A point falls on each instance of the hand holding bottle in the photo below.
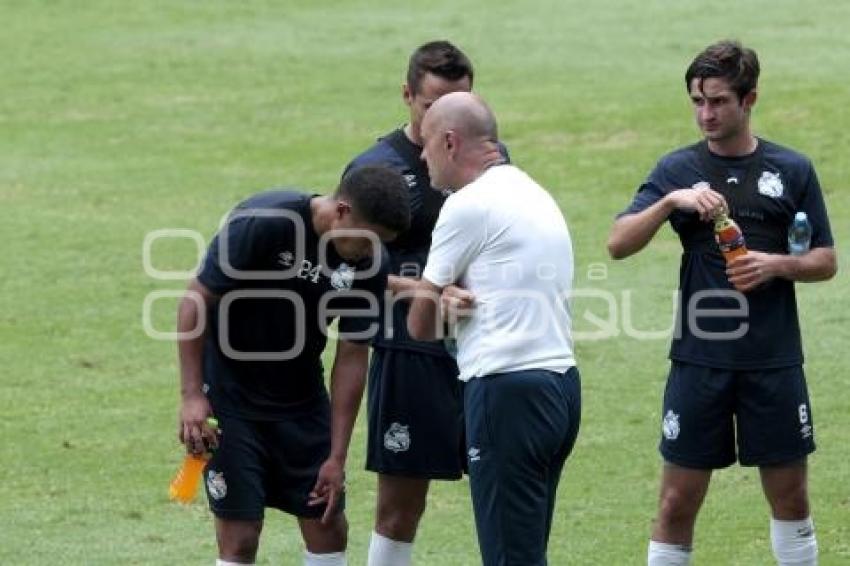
(194, 430)
(700, 198)
(184, 486)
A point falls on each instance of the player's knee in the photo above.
(678, 506)
(239, 545)
(399, 521)
(337, 529)
(791, 504)
(321, 538)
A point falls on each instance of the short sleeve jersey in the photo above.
(504, 238)
(764, 190)
(409, 251)
(279, 292)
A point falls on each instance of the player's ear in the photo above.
(451, 142)
(750, 100)
(342, 209)
(407, 93)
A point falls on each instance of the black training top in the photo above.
(279, 292)
(763, 190)
(409, 251)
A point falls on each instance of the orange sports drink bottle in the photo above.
(729, 237)
(184, 486)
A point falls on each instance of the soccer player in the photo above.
(415, 419)
(736, 378)
(501, 238)
(255, 321)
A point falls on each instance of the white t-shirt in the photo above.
(503, 238)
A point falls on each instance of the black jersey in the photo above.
(763, 190)
(409, 251)
(279, 292)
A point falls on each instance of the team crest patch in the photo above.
(410, 180)
(343, 277)
(770, 185)
(397, 438)
(216, 485)
(670, 426)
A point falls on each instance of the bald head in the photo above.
(460, 140)
(465, 113)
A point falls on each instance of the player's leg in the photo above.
(414, 435)
(776, 433)
(326, 543)
(680, 498)
(299, 445)
(792, 531)
(234, 483)
(401, 503)
(786, 489)
(237, 540)
(697, 436)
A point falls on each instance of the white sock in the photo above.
(794, 542)
(664, 554)
(327, 559)
(385, 551)
(220, 562)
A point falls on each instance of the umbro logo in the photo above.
(474, 454)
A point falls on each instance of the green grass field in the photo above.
(118, 119)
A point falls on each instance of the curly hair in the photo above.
(377, 195)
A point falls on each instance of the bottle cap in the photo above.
(801, 216)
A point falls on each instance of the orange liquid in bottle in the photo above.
(184, 486)
(729, 237)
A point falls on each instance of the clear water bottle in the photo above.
(799, 234)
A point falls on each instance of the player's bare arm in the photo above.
(193, 430)
(424, 320)
(456, 303)
(632, 232)
(348, 379)
(754, 268)
(404, 286)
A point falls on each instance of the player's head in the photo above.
(459, 134)
(435, 68)
(722, 84)
(369, 201)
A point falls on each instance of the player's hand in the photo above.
(193, 430)
(330, 485)
(750, 270)
(702, 199)
(456, 303)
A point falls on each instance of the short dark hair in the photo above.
(377, 195)
(439, 58)
(728, 60)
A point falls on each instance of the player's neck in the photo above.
(412, 135)
(742, 144)
(322, 210)
(471, 173)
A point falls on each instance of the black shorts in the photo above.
(261, 464)
(520, 428)
(706, 409)
(415, 415)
